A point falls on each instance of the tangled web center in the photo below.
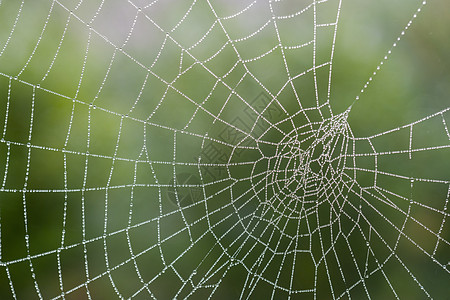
(307, 165)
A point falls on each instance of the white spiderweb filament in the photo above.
(195, 153)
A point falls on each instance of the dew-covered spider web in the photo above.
(161, 149)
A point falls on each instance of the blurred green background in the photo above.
(133, 162)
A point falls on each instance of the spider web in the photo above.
(175, 149)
